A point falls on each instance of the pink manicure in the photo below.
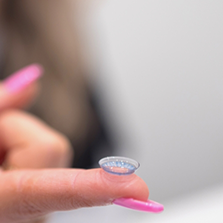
(22, 78)
(148, 206)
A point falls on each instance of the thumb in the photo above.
(26, 195)
(19, 89)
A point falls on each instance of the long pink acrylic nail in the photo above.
(22, 78)
(148, 206)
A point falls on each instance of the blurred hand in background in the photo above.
(26, 143)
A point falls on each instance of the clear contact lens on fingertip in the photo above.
(119, 165)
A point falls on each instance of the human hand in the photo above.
(28, 194)
(37, 145)
(27, 143)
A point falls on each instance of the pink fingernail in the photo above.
(22, 78)
(148, 206)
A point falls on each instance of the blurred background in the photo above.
(161, 84)
(155, 74)
(159, 80)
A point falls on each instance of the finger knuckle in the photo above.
(58, 149)
(22, 205)
(57, 145)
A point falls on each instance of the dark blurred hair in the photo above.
(43, 31)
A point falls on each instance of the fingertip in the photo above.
(113, 186)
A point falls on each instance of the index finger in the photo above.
(31, 194)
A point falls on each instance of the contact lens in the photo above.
(119, 165)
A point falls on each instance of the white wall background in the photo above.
(161, 81)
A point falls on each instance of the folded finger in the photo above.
(30, 143)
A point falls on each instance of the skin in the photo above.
(30, 152)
